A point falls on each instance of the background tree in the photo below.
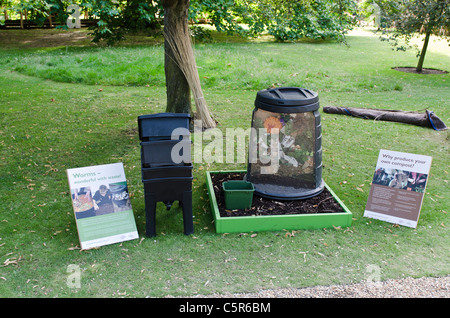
(4, 6)
(178, 92)
(180, 67)
(286, 20)
(413, 17)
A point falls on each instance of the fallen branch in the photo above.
(427, 119)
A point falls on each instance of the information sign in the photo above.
(102, 206)
(398, 187)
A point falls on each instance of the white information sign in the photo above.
(398, 187)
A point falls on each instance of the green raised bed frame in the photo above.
(275, 222)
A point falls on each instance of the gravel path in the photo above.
(425, 287)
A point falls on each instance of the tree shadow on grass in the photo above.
(424, 71)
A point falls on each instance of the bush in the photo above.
(286, 20)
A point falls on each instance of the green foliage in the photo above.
(287, 20)
(58, 9)
(117, 18)
(224, 15)
(386, 7)
(201, 34)
(304, 19)
(406, 19)
(140, 14)
(109, 25)
(38, 11)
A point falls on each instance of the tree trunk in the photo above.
(178, 91)
(424, 51)
(50, 22)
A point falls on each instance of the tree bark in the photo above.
(178, 91)
(424, 51)
(50, 22)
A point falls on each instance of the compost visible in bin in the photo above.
(295, 172)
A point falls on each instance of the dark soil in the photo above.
(322, 203)
(424, 70)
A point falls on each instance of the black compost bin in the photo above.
(166, 165)
(285, 151)
(165, 153)
(178, 171)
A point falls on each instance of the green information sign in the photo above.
(101, 204)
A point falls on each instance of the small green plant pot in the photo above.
(238, 194)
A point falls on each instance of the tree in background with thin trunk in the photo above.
(415, 17)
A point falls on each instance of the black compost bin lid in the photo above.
(164, 115)
(287, 100)
(161, 125)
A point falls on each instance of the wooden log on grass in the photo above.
(426, 119)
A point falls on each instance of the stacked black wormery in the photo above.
(166, 165)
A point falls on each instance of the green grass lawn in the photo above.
(71, 104)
